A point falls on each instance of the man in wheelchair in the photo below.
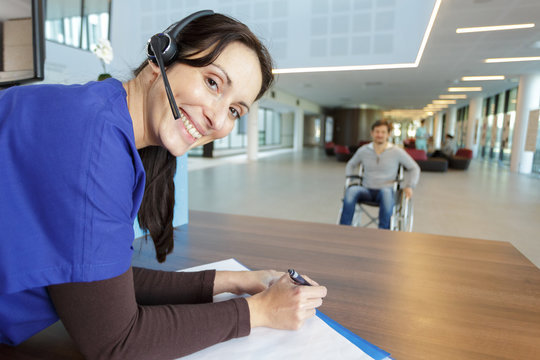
(380, 161)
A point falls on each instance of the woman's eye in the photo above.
(235, 113)
(212, 83)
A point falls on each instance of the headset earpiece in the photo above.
(168, 47)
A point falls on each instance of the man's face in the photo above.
(380, 134)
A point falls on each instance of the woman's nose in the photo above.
(216, 115)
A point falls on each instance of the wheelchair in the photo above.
(402, 213)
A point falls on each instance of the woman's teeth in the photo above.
(189, 126)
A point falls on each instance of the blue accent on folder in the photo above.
(367, 347)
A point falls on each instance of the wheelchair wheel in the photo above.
(408, 214)
(403, 213)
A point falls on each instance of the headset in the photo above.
(162, 49)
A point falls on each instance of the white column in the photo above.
(437, 130)
(298, 143)
(528, 98)
(473, 122)
(429, 125)
(451, 119)
(253, 132)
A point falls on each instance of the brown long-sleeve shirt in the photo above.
(148, 314)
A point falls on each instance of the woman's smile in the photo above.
(189, 126)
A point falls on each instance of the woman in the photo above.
(421, 137)
(76, 161)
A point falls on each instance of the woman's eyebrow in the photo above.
(229, 83)
(244, 105)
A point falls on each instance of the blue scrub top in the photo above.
(71, 185)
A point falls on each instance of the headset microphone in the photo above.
(162, 49)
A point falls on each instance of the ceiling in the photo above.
(447, 57)
(308, 33)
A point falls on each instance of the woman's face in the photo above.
(210, 99)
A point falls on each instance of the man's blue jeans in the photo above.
(384, 197)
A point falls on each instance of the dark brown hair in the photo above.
(213, 32)
(382, 123)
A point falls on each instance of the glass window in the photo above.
(487, 121)
(461, 126)
(536, 158)
(78, 23)
(512, 99)
(269, 127)
(508, 126)
(496, 129)
(276, 132)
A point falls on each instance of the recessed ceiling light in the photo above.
(453, 96)
(436, 106)
(444, 102)
(482, 78)
(464, 89)
(493, 28)
(512, 59)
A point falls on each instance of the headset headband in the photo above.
(167, 39)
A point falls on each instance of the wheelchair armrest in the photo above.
(352, 180)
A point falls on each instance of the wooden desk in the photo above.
(417, 296)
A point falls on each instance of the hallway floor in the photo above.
(486, 201)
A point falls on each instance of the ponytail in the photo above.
(157, 207)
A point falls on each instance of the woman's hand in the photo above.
(285, 305)
(244, 282)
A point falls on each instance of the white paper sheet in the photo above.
(315, 340)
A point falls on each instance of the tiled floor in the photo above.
(486, 201)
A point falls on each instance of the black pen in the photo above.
(297, 278)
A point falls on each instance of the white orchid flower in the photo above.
(103, 50)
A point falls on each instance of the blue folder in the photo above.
(365, 346)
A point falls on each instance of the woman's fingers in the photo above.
(310, 280)
(312, 303)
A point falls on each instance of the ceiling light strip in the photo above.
(482, 78)
(512, 59)
(493, 28)
(453, 96)
(428, 32)
(437, 102)
(464, 89)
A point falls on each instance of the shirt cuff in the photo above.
(244, 320)
(207, 286)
